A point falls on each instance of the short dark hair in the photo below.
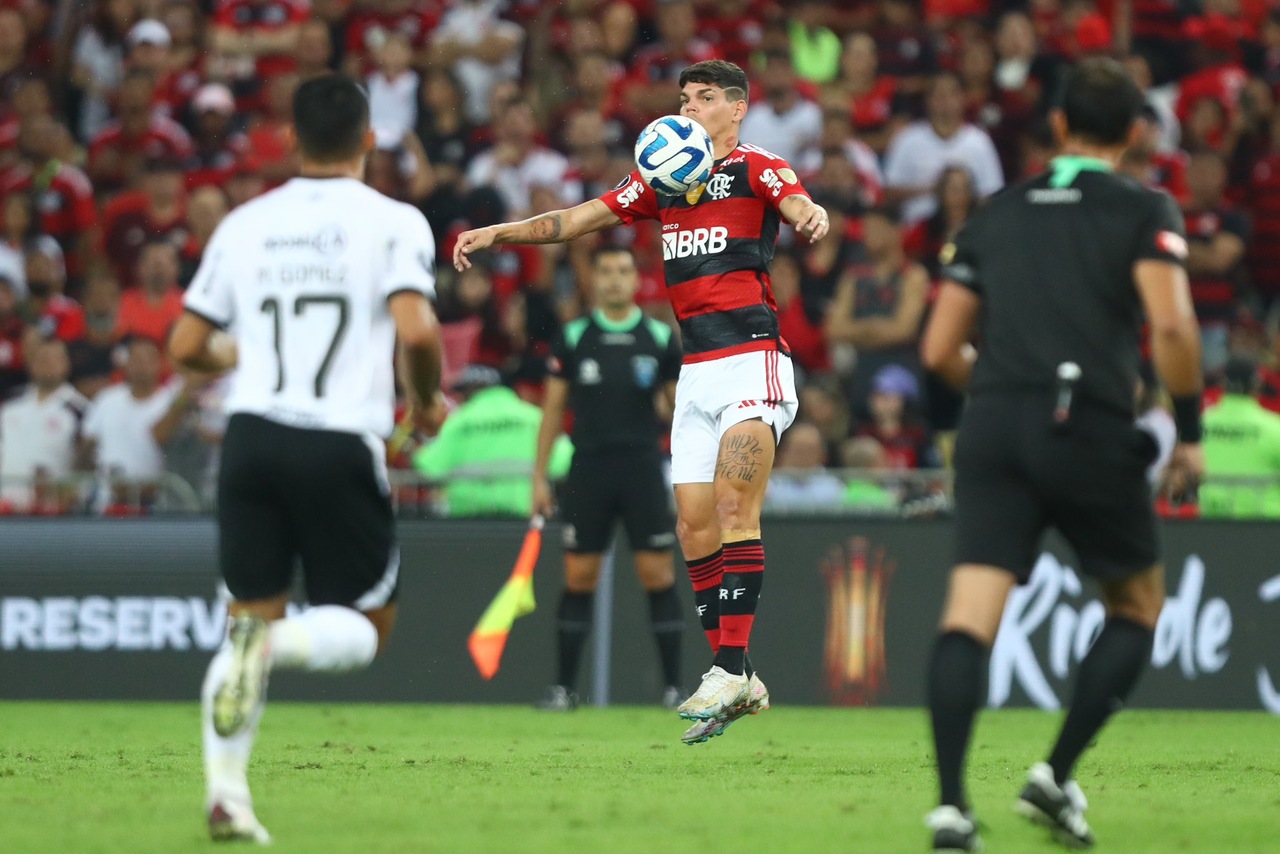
(1101, 101)
(717, 72)
(331, 117)
(610, 249)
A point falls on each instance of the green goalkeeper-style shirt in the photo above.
(485, 452)
(1241, 439)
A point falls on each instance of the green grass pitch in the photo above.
(127, 778)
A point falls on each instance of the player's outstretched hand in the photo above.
(815, 223)
(543, 500)
(468, 242)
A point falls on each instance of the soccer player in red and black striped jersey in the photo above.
(736, 393)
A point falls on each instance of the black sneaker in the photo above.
(558, 699)
(953, 831)
(1059, 808)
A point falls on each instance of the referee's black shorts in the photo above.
(319, 496)
(1017, 475)
(605, 485)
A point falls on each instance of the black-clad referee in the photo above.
(1060, 270)
(611, 368)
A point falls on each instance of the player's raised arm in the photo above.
(555, 227)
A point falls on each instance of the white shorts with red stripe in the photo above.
(713, 396)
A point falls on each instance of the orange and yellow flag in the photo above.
(515, 599)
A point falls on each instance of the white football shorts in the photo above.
(713, 396)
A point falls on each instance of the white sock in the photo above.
(327, 638)
(226, 760)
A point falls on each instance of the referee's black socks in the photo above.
(573, 625)
(1107, 676)
(668, 626)
(957, 681)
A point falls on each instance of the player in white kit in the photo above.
(313, 283)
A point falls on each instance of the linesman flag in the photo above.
(515, 599)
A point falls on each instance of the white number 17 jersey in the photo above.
(301, 277)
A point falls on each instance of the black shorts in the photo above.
(603, 486)
(1017, 475)
(287, 494)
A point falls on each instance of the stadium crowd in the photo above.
(128, 129)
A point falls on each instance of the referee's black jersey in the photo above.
(1052, 259)
(614, 369)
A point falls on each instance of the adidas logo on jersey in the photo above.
(694, 241)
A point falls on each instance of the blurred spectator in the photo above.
(244, 181)
(374, 22)
(268, 133)
(151, 307)
(1158, 35)
(15, 57)
(823, 405)
(251, 41)
(956, 198)
(13, 372)
(129, 423)
(313, 54)
(471, 308)
(205, 209)
(13, 235)
(824, 264)
(879, 310)
(846, 167)
(815, 48)
(191, 452)
(734, 28)
(118, 154)
(156, 212)
(865, 454)
(399, 169)
(97, 61)
(445, 136)
(894, 393)
(867, 95)
(1006, 115)
(920, 152)
(1241, 439)
(47, 308)
(219, 147)
(1160, 101)
(1216, 238)
(800, 325)
(1262, 195)
(62, 196)
(480, 48)
(39, 432)
(183, 61)
(393, 91)
(908, 49)
(1147, 164)
(595, 90)
(517, 163)
(651, 88)
(1219, 75)
(800, 480)
(783, 122)
(484, 453)
(30, 98)
(93, 355)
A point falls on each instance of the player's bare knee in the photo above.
(384, 620)
(580, 578)
(655, 570)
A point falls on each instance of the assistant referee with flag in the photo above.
(1061, 270)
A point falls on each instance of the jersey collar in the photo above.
(1066, 168)
(633, 320)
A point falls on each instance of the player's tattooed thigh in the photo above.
(741, 458)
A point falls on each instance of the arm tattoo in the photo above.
(546, 228)
(740, 459)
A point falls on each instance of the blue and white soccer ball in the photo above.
(674, 155)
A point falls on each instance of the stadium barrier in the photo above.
(127, 609)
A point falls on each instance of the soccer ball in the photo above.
(674, 155)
